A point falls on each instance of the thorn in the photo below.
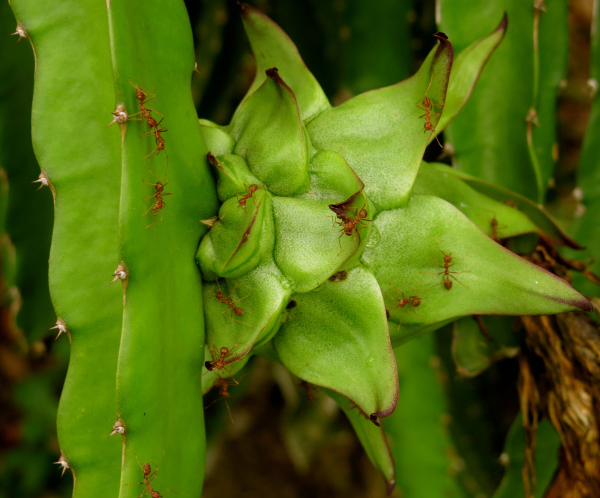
(196, 68)
(532, 117)
(61, 327)
(118, 428)
(210, 222)
(119, 274)
(43, 179)
(120, 115)
(20, 31)
(62, 461)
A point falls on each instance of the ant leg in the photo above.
(157, 221)
(241, 299)
(450, 275)
(148, 210)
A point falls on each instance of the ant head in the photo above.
(152, 122)
(253, 188)
(363, 213)
(426, 102)
(428, 126)
(447, 258)
(224, 350)
(156, 494)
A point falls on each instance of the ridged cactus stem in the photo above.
(80, 159)
(159, 393)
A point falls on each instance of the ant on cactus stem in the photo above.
(447, 274)
(160, 203)
(149, 476)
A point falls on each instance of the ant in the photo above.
(149, 476)
(244, 197)
(235, 310)
(427, 106)
(160, 203)
(309, 390)
(160, 141)
(348, 224)
(223, 387)
(494, 226)
(447, 273)
(411, 301)
(249, 192)
(142, 96)
(220, 363)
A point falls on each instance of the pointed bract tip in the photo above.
(273, 73)
(243, 8)
(212, 159)
(389, 486)
(503, 23)
(373, 418)
(440, 35)
(586, 305)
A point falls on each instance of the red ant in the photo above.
(244, 198)
(249, 192)
(348, 224)
(219, 362)
(494, 226)
(149, 476)
(411, 301)
(160, 203)
(447, 273)
(223, 387)
(160, 141)
(235, 310)
(142, 96)
(309, 390)
(427, 106)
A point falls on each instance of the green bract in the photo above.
(335, 241)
